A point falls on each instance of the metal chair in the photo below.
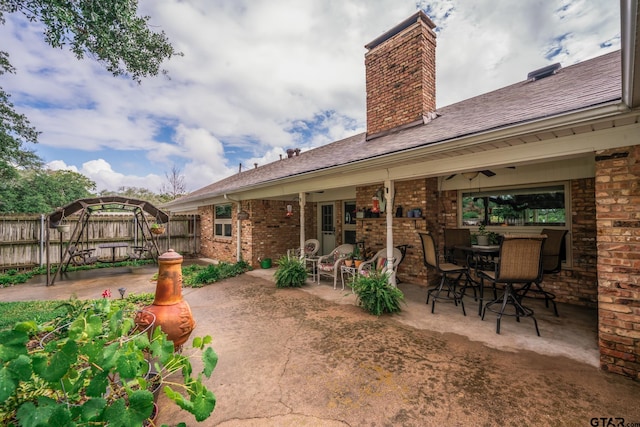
(454, 239)
(520, 262)
(329, 265)
(446, 289)
(552, 253)
(78, 256)
(141, 252)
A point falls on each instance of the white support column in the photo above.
(389, 192)
(302, 198)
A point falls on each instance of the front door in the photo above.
(327, 228)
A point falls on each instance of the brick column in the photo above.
(618, 242)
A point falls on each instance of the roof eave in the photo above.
(609, 109)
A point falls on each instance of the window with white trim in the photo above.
(222, 220)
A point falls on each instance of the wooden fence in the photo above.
(23, 237)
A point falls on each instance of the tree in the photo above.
(15, 131)
(42, 191)
(138, 193)
(175, 186)
(109, 31)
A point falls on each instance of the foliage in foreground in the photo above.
(197, 276)
(375, 295)
(47, 311)
(291, 272)
(96, 370)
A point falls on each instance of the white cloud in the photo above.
(254, 70)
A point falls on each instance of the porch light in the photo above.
(289, 213)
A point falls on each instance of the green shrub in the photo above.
(375, 294)
(291, 272)
(94, 371)
(196, 276)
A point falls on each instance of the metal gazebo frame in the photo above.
(88, 206)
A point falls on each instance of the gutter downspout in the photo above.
(238, 227)
(628, 24)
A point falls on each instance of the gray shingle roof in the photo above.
(583, 85)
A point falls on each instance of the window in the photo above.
(349, 212)
(222, 221)
(349, 221)
(525, 207)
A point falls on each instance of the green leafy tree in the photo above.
(15, 131)
(42, 191)
(109, 31)
(138, 193)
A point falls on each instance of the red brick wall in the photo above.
(618, 243)
(420, 193)
(400, 75)
(268, 233)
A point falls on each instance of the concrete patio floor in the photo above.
(310, 356)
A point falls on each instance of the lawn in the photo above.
(45, 311)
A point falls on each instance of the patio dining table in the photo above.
(479, 257)
(113, 246)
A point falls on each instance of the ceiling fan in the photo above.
(472, 174)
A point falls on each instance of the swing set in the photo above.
(78, 252)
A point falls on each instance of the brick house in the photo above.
(566, 137)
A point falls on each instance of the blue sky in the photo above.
(258, 77)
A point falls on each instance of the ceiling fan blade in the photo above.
(488, 173)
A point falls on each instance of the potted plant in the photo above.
(357, 256)
(94, 370)
(482, 237)
(291, 272)
(375, 294)
(63, 227)
(348, 261)
(485, 237)
(157, 228)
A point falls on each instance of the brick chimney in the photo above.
(401, 76)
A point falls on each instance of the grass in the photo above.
(15, 277)
(46, 311)
(194, 275)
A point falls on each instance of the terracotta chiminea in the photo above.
(173, 314)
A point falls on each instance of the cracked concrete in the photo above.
(311, 357)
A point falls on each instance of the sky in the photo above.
(260, 76)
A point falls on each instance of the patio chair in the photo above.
(379, 262)
(446, 289)
(311, 247)
(329, 265)
(520, 262)
(552, 253)
(454, 238)
(78, 256)
(141, 252)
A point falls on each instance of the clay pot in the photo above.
(172, 312)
